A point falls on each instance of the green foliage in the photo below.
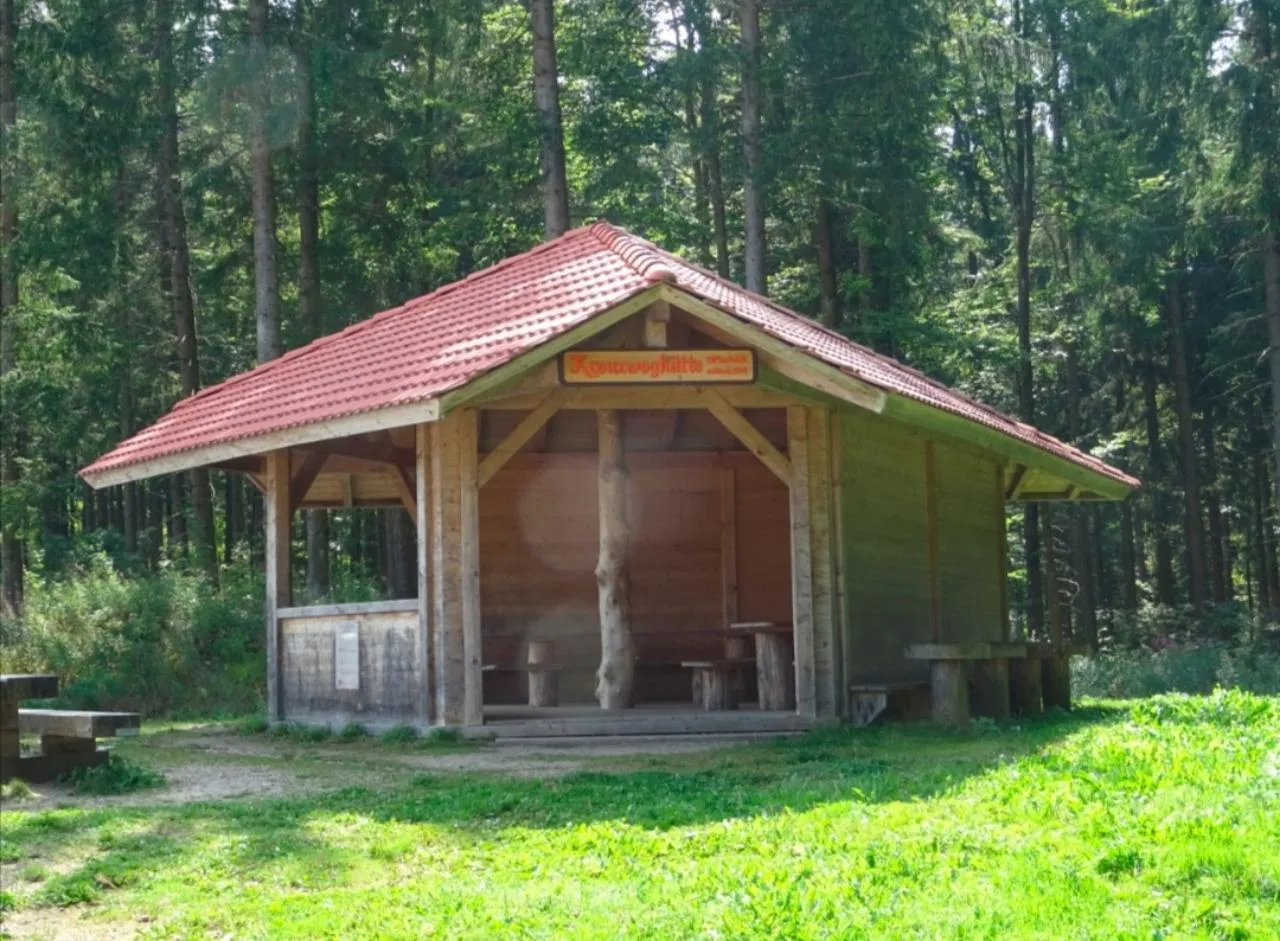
(399, 735)
(302, 734)
(15, 789)
(352, 732)
(1159, 819)
(165, 643)
(1199, 667)
(252, 725)
(116, 775)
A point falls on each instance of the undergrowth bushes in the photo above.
(159, 644)
(1174, 650)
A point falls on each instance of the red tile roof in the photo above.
(441, 341)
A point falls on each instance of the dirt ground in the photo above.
(215, 763)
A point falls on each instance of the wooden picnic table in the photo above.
(14, 688)
(68, 737)
(775, 663)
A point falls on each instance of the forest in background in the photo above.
(1069, 210)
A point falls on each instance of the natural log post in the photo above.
(615, 678)
(543, 689)
(775, 673)
(717, 689)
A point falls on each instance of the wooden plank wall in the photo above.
(970, 526)
(390, 670)
(892, 596)
(538, 544)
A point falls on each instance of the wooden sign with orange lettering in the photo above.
(657, 367)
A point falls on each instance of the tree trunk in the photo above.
(1024, 216)
(614, 679)
(1128, 560)
(309, 304)
(752, 193)
(1196, 580)
(177, 516)
(701, 205)
(1081, 545)
(266, 285)
(1219, 562)
(11, 562)
(546, 98)
(711, 136)
(1155, 473)
(828, 282)
(174, 242)
(1271, 269)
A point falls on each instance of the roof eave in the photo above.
(397, 416)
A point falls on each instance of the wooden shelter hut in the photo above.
(614, 460)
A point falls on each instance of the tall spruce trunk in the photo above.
(752, 186)
(1024, 217)
(1219, 555)
(1081, 544)
(266, 284)
(1155, 470)
(546, 98)
(11, 561)
(828, 278)
(1271, 280)
(708, 85)
(173, 222)
(1194, 523)
(309, 301)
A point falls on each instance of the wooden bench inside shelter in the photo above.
(717, 681)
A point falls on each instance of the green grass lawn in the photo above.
(1155, 820)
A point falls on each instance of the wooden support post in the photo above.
(1026, 696)
(543, 688)
(615, 677)
(279, 577)
(989, 689)
(949, 691)
(422, 528)
(801, 560)
(826, 660)
(1055, 679)
(843, 628)
(448, 653)
(655, 324)
(469, 573)
(735, 647)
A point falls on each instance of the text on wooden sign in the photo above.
(650, 367)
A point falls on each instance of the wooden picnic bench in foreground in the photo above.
(68, 738)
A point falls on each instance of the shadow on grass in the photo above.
(885, 764)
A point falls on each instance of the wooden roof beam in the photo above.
(750, 436)
(519, 436)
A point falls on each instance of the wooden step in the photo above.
(639, 723)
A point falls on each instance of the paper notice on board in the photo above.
(346, 655)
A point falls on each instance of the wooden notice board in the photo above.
(657, 367)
